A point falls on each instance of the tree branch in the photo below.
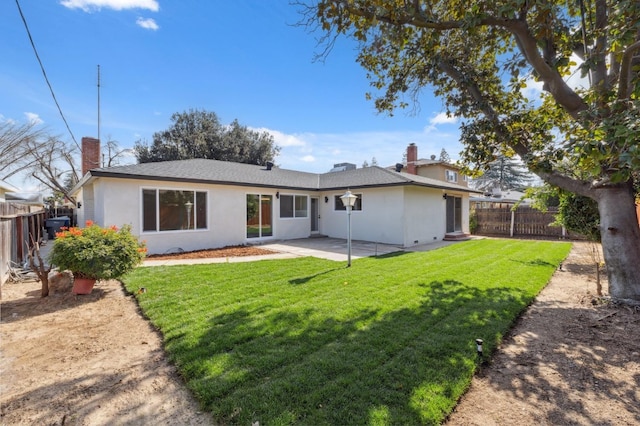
(599, 51)
(624, 85)
(553, 177)
(554, 84)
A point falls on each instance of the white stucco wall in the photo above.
(226, 215)
(81, 211)
(425, 219)
(380, 219)
(402, 215)
(291, 228)
(87, 211)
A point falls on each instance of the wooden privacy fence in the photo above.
(521, 222)
(18, 228)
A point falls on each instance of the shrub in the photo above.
(97, 253)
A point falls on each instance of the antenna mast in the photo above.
(99, 104)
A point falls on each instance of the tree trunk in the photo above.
(40, 268)
(620, 240)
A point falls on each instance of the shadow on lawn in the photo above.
(304, 280)
(408, 366)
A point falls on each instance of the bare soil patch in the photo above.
(93, 360)
(571, 359)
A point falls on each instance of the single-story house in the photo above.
(198, 204)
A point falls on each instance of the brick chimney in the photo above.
(90, 154)
(412, 157)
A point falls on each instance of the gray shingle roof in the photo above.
(229, 173)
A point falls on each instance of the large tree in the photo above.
(199, 134)
(478, 55)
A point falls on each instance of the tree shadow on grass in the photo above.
(407, 366)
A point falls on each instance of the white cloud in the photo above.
(443, 118)
(91, 5)
(282, 139)
(440, 118)
(148, 23)
(318, 152)
(33, 118)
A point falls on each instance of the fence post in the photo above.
(513, 220)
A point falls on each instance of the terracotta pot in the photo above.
(83, 285)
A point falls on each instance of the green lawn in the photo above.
(308, 341)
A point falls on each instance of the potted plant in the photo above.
(95, 253)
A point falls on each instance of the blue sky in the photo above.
(242, 59)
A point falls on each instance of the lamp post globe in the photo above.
(189, 206)
(349, 200)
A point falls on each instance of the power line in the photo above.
(45, 75)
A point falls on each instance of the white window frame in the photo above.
(451, 175)
(157, 208)
(296, 214)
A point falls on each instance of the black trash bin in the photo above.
(55, 224)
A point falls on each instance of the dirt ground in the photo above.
(94, 360)
(571, 359)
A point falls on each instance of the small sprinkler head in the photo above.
(479, 346)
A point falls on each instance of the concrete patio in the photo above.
(321, 247)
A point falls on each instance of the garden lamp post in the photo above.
(349, 200)
(188, 205)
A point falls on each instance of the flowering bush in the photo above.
(97, 253)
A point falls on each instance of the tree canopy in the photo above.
(28, 150)
(16, 141)
(444, 156)
(199, 134)
(504, 173)
(479, 55)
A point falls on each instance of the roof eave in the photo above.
(201, 181)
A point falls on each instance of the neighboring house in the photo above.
(497, 198)
(4, 188)
(434, 169)
(198, 204)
